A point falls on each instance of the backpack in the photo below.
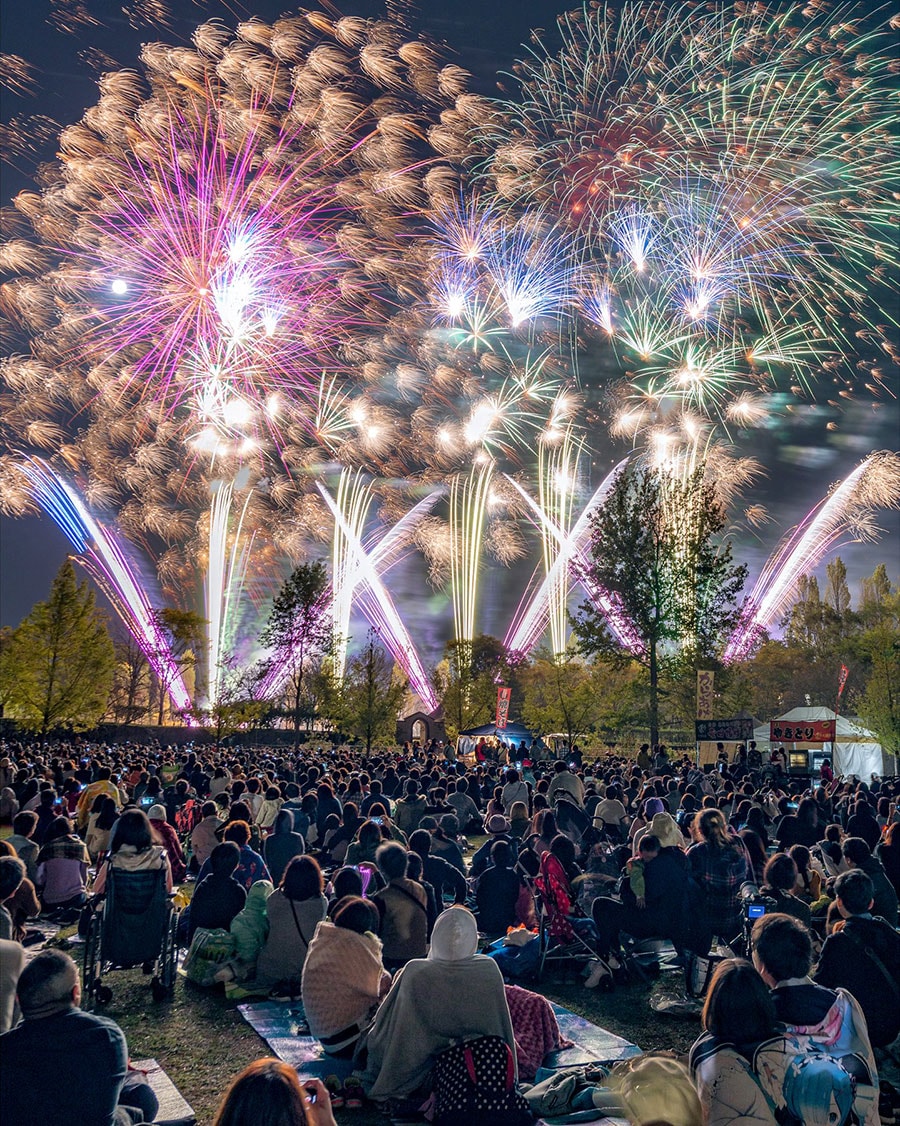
(805, 1088)
(475, 1085)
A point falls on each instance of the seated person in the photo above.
(168, 838)
(62, 868)
(133, 850)
(779, 879)
(369, 838)
(218, 898)
(497, 891)
(402, 909)
(498, 829)
(858, 855)
(268, 1090)
(293, 912)
(443, 876)
(661, 912)
(444, 842)
(12, 873)
(830, 1021)
(27, 849)
(89, 1056)
(252, 867)
(738, 1016)
(862, 955)
(282, 845)
(343, 977)
(204, 836)
(22, 903)
(454, 994)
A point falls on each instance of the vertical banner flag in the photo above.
(706, 679)
(503, 697)
(842, 680)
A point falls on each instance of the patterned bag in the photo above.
(209, 951)
(475, 1085)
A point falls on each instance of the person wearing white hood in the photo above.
(454, 994)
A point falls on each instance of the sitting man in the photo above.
(862, 955)
(659, 912)
(61, 1064)
(825, 1021)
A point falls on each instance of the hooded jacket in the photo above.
(453, 994)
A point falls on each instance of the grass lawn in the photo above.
(202, 1041)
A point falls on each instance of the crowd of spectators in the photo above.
(347, 880)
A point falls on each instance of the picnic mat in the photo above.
(590, 1043)
(282, 1025)
(173, 1110)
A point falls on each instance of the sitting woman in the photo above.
(269, 1091)
(168, 838)
(133, 849)
(103, 816)
(62, 868)
(779, 881)
(218, 898)
(454, 994)
(369, 839)
(282, 845)
(293, 911)
(738, 1016)
(343, 977)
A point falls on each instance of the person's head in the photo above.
(518, 811)
(49, 984)
(24, 824)
(237, 831)
(455, 936)
(284, 822)
(157, 812)
(59, 827)
(12, 873)
(133, 829)
(302, 879)
(738, 1006)
(224, 858)
(755, 848)
(209, 809)
(856, 852)
(353, 913)
(854, 892)
(712, 828)
(501, 854)
(649, 846)
(780, 872)
(801, 856)
(808, 812)
(564, 850)
(266, 1093)
(420, 842)
(346, 882)
(782, 947)
(391, 860)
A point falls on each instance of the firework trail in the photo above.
(873, 484)
(469, 498)
(103, 557)
(378, 606)
(226, 572)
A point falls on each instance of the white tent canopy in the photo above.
(855, 750)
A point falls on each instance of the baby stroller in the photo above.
(135, 924)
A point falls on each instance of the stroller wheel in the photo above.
(158, 990)
(103, 994)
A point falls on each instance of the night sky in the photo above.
(802, 461)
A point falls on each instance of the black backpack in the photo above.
(475, 1085)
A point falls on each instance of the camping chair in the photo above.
(566, 936)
